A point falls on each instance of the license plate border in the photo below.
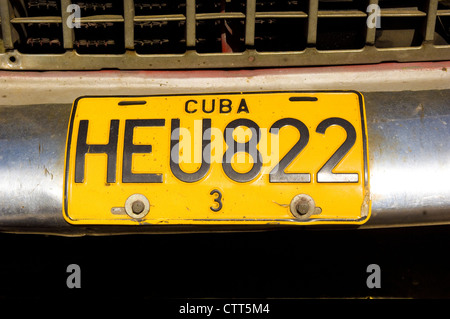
(366, 206)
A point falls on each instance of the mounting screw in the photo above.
(303, 206)
(137, 206)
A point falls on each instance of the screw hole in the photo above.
(12, 58)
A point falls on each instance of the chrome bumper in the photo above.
(408, 130)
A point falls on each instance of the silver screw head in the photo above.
(302, 206)
(137, 206)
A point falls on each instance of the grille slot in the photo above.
(100, 7)
(221, 35)
(40, 38)
(443, 23)
(99, 38)
(167, 37)
(274, 34)
(158, 34)
(403, 23)
(161, 7)
(37, 8)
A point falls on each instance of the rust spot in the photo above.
(47, 172)
(420, 111)
(444, 69)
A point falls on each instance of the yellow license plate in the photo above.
(234, 158)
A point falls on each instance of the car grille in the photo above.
(189, 34)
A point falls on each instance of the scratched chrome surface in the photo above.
(409, 142)
(409, 145)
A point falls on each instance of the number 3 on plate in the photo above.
(218, 200)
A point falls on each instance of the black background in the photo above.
(273, 264)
